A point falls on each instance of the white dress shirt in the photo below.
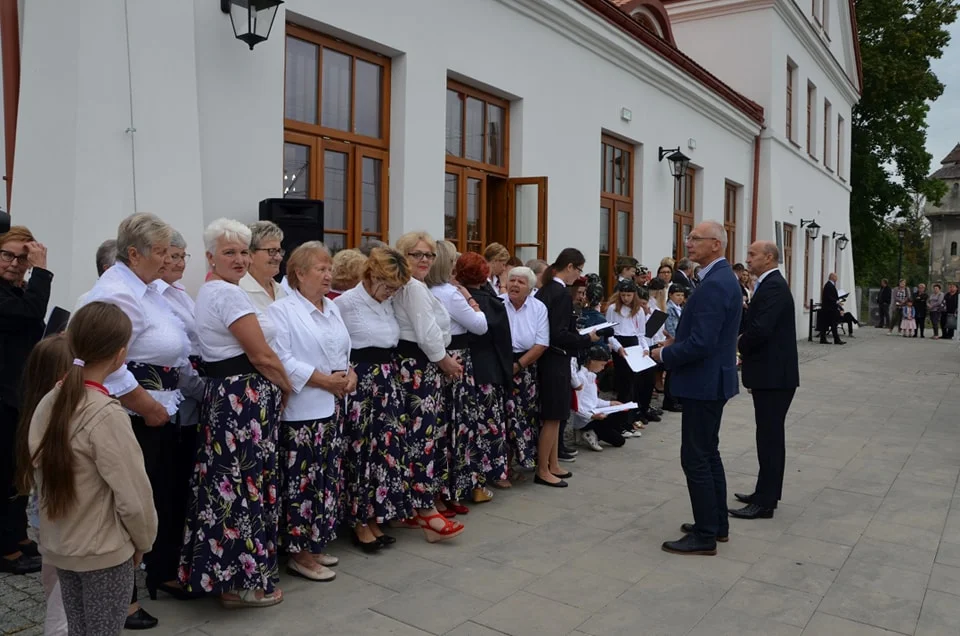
(158, 337)
(309, 340)
(626, 325)
(219, 305)
(462, 316)
(370, 323)
(529, 325)
(588, 399)
(258, 295)
(182, 305)
(422, 319)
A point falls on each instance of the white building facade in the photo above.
(534, 123)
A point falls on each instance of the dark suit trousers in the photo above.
(770, 408)
(13, 507)
(884, 310)
(700, 459)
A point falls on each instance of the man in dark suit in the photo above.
(683, 272)
(703, 364)
(829, 315)
(769, 368)
(883, 303)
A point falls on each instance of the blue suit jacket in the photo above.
(703, 360)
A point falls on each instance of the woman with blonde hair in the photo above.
(497, 257)
(347, 271)
(424, 361)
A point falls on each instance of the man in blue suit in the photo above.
(703, 366)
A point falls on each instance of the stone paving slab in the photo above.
(866, 541)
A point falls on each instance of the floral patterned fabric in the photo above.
(153, 377)
(374, 461)
(523, 417)
(427, 472)
(462, 412)
(230, 539)
(311, 455)
(492, 433)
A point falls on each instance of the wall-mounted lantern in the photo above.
(251, 19)
(679, 162)
(813, 228)
(841, 240)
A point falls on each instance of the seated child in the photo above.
(596, 427)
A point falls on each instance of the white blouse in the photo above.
(309, 340)
(370, 323)
(219, 305)
(182, 305)
(159, 337)
(462, 316)
(422, 319)
(529, 325)
(258, 295)
(627, 325)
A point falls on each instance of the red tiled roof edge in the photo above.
(620, 19)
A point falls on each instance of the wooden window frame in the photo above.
(617, 203)
(841, 142)
(827, 136)
(791, 73)
(730, 193)
(811, 119)
(486, 98)
(808, 244)
(541, 244)
(824, 259)
(788, 233)
(681, 216)
(461, 241)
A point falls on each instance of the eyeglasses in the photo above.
(580, 269)
(690, 238)
(419, 256)
(176, 258)
(8, 257)
(272, 251)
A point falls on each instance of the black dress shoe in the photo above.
(368, 547)
(743, 498)
(691, 544)
(544, 482)
(566, 475)
(23, 564)
(673, 408)
(176, 592)
(839, 342)
(752, 511)
(823, 341)
(140, 620)
(687, 528)
(652, 416)
(386, 540)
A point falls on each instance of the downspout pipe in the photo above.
(10, 52)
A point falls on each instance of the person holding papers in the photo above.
(589, 418)
(627, 312)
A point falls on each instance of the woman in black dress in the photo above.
(554, 366)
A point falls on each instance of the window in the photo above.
(827, 135)
(824, 259)
(807, 269)
(841, 147)
(825, 18)
(336, 134)
(811, 118)
(616, 205)
(953, 248)
(816, 9)
(684, 199)
(730, 192)
(791, 72)
(788, 231)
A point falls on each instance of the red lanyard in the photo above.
(96, 386)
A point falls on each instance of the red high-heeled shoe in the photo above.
(457, 507)
(450, 529)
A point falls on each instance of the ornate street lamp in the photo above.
(679, 162)
(813, 228)
(841, 240)
(251, 19)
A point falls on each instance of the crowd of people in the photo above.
(220, 438)
(907, 310)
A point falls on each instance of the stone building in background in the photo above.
(945, 222)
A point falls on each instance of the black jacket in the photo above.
(565, 340)
(492, 352)
(885, 296)
(679, 278)
(22, 311)
(829, 313)
(768, 346)
(950, 303)
(920, 304)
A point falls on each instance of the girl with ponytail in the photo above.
(96, 504)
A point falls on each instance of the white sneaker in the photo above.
(628, 434)
(590, 439)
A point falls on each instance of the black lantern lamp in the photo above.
(679, 162)
(813, 228)
(841, 240)
(251, 19)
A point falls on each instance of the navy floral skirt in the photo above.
(462, 412)
(492, 433)
(230, 538)
(374, 461)
(523, 417)
(311, 453)
(426, 432)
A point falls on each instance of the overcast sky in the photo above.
(943, 132)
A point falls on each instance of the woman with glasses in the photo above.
(424, 361)
(265, 258)
(375, 473)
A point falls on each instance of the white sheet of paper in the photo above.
(608, 410)
(602, 325)
(637, 361)
(841, 293)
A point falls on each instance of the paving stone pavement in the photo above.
(866, 541)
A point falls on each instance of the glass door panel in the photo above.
(451, 197)
(335, 189)
(296, 171)
(527, 209)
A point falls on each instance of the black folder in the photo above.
(59, 318)
(654, 322)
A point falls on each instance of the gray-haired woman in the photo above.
(265, 258)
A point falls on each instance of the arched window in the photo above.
(953, 249)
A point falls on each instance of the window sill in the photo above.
(812, 157)
(795, 144)
(829, 169)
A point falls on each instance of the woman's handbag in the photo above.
(952, 321)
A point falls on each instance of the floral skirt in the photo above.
(523, 417)
(462, 412)
(492, 433)
(375, 482)
(230, 537)
(425, 438)
(311, 453)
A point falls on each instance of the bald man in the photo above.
(829, 315)
(769, 368)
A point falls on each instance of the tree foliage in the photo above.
(889, 163)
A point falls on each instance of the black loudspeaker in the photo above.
(300, 219)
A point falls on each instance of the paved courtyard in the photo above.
(866, 541)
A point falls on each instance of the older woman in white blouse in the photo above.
(265, 258)
(314, 346)
(422, 352)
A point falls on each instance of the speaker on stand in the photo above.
(300, 219)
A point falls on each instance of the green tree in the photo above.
(889, 163)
